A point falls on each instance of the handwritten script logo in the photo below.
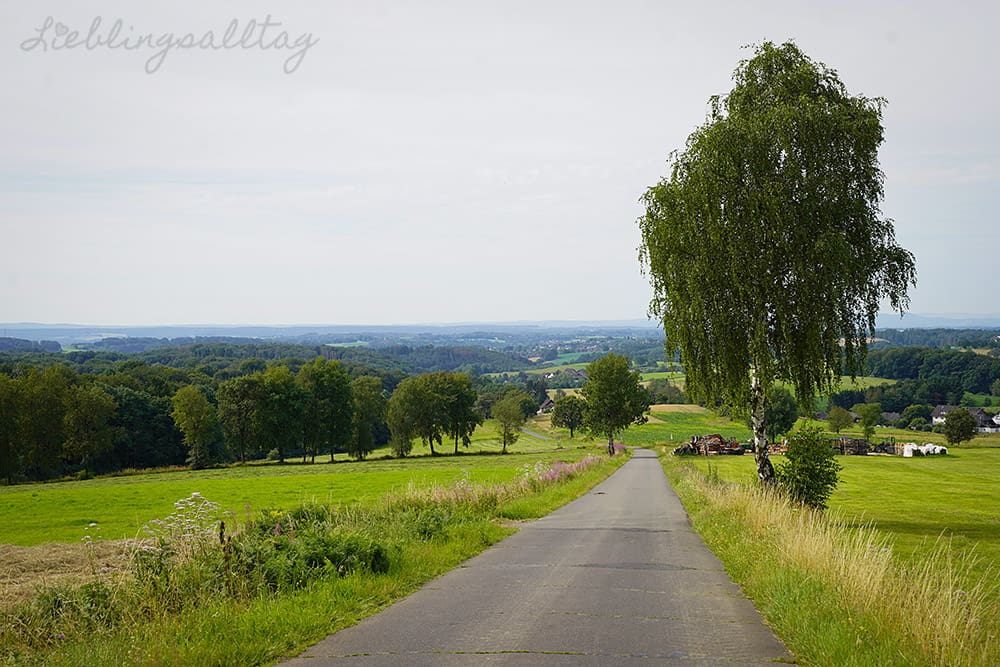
(263, 35)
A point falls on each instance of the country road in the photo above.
(616, 577)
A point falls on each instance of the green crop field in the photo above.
(59, 512)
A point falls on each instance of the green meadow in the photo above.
(60, 511)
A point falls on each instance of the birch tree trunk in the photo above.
(765, 471)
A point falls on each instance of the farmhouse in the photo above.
(941, 411)
(984, 422)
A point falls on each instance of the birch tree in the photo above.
(766, 247)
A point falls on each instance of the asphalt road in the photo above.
(616, 577)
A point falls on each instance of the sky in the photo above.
(385, 162)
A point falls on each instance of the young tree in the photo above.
(196, 419)
(959, 426)
(615, 397)
(870, 414)
(808, 473)
(765, 248)
(780, 413)
(838, 419)
(915, 411)
(369, 411)
(509, 417)
(568, 413)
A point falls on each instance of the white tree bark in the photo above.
(765, 471)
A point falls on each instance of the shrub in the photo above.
(431, 523)
(808, 473)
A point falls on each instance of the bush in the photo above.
(808, 473)
(431, 523)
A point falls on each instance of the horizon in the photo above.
(883, 321)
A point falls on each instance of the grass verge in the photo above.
(286, 579)
(835, 592)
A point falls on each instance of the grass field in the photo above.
(59, 512)
(912, 501)
(673, 376)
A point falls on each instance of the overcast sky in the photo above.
(436, 161)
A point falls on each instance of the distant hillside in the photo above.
(941, 337)
(476, 360)
(22, 345)
(925, 321)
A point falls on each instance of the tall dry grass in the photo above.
(920, 605)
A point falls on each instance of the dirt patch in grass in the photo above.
(26, 570)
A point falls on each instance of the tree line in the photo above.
(948, 373)
(925, 377)
(55, 421)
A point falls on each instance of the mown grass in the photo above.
(59, 512)
(840, 593)
(677, 426)
(673, 376)
(426, 530)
